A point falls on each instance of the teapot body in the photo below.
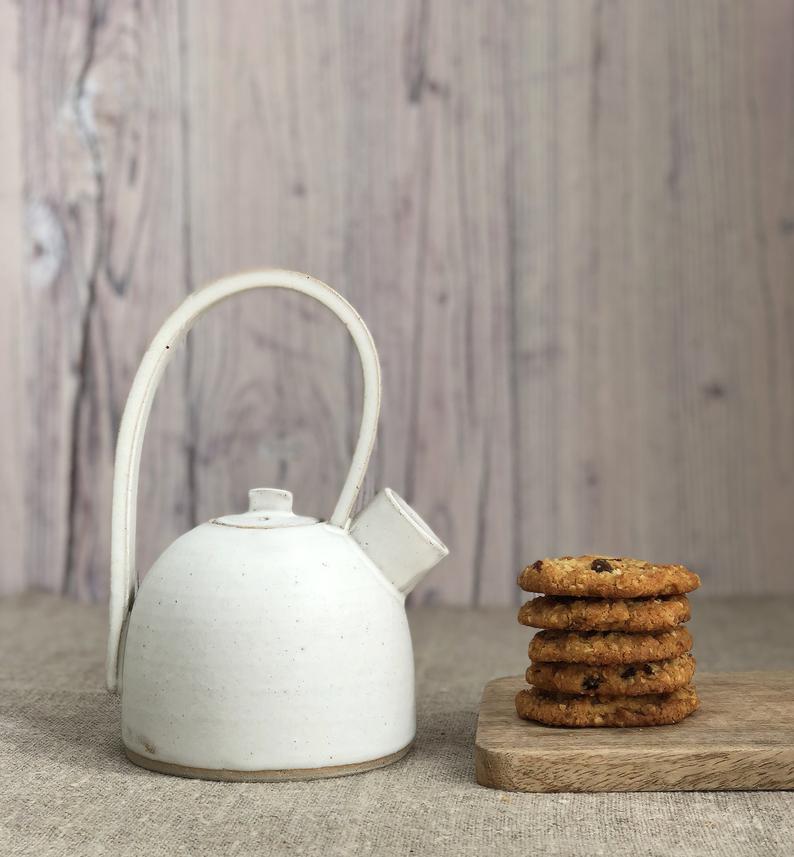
(260, 651)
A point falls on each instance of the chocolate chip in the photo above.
(599, 565)
(629, 672)
(538, 564)
(591, 682)
(648, 669)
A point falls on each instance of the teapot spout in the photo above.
(397, 540)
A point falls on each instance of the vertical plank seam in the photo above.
(554, 204)
(471, 393)
(191, 416)
(678, 126)
(418, 325)
(12, 194)
(585, 476)
(764, 283)
(91, 142)
(483, 489)
(513, 356)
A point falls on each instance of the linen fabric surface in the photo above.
(67, 789)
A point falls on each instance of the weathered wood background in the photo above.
(569, 225)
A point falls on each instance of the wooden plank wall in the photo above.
(569, 225)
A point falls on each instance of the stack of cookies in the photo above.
(614, 652)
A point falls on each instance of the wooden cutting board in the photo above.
(742, 737)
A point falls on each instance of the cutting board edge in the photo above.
(494, 771)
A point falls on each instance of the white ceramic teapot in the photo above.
(266, 645)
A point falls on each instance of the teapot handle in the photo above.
(123, 578)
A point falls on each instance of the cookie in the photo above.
(564, 709)
(596, 614)
(606, 577)
(613, 679)
(608, 647)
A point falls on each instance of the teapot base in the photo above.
(275, 776)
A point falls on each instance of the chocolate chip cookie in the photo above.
(599, 614)
(613, 679)
(564, 709)
(608, 647)
(606, 577)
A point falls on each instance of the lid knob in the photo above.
(269, 500)
(268, 509)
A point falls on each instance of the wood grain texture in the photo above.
(361, 167)
(741, 738)
(12, 472)
(104, 193)
(654, 314)
(568, 224)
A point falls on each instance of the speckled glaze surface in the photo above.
(266, 642)
(267, 649)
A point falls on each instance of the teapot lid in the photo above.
(268, 509)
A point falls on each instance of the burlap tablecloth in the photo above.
(65, 787)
